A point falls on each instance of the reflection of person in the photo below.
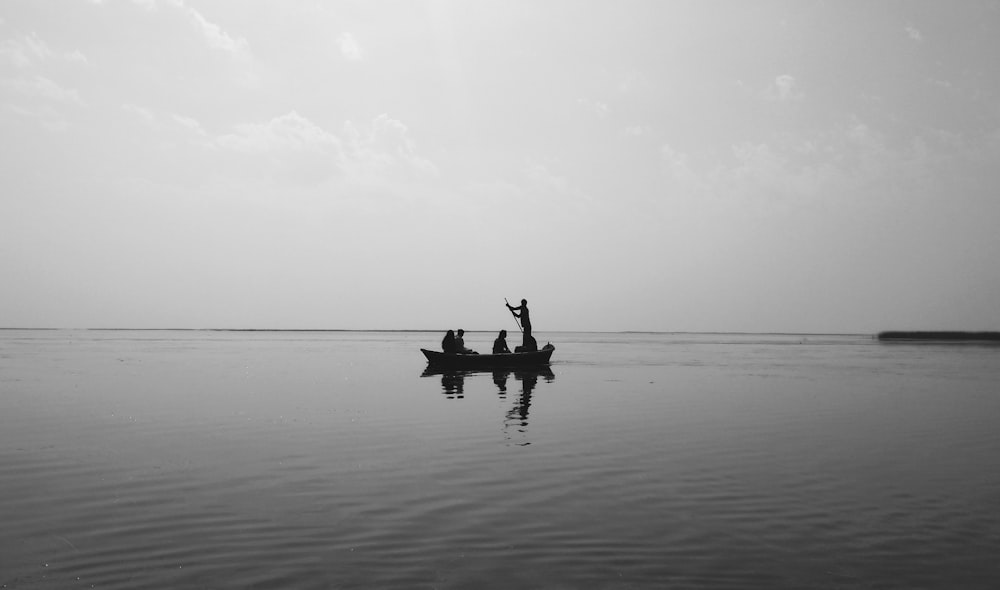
(453, 385)
(500, 344)
(448, 343)
(528, 381)
(460, 344)
(500, 380)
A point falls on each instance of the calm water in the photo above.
(330, 460)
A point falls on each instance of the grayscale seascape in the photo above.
(761, 237)
(191, 459)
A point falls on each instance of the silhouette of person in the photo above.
(500, 344)
(448, 344)
(460, 344)
(528, 343)
(525, 318)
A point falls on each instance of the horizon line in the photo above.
(426, 330)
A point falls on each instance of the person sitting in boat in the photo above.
(529, 345)
(500, 344)
(448, 343)
(460, 343)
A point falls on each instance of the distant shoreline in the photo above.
(213, 330)
(948, 336)
(888, 336)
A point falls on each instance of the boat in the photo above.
(452, 360)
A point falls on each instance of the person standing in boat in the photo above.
(460, 343)
(525, 318)
(528, 343)
(500, 344)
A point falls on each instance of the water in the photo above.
(330, 460)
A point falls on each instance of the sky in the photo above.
(768, 166)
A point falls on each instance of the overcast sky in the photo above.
(794, 166)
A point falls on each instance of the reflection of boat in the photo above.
(488, 361)
(453, 387)
(543, 371)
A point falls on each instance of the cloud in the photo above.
(40, 87)
(542, 179)
(635, 82)
(76, 56)
(31, 92)
(143, 114)
(386, 147)
(637, 130)
(594, 106)
(288, 132)
(214, 35)
(168, 123)
(783, 89)
(913, 33)
(288, 149)
(679, 170)
(294, 146)
(553, 193)
(291, 148)
(24, 51)
(175, 142)
(851, 160)
(190, 124)
(349, 47)
(28, 50)
(941, 83)
(764, 170)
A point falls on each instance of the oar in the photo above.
(515, 317)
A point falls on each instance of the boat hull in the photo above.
(479, 361)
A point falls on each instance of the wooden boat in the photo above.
(478, 361)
